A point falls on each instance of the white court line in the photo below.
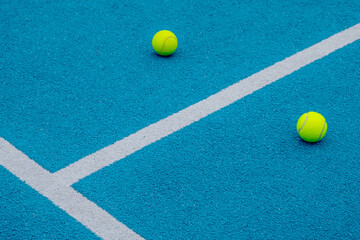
(56, 187)
(148, 135)
(76, 205)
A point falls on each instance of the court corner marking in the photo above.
(97, 220)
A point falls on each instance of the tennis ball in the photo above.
(164, 43)
(311, 127)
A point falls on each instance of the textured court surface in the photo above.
(77, 76)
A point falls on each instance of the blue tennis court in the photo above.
(100, 137)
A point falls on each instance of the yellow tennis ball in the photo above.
(311, 127)
(164, 43)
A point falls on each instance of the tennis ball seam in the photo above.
(163, 46)
(303, 125)
(322, 131)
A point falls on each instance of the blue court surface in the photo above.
(79, 76)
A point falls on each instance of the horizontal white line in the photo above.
(148, 135)
(76, 205)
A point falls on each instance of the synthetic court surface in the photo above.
(102, 138)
